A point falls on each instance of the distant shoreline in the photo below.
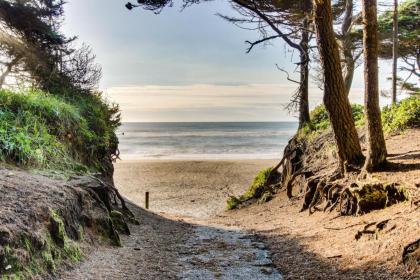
(227, 122)
(136, 159)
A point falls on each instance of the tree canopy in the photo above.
(36, 51)
(408, 35)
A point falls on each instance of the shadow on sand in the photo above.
(167, 248)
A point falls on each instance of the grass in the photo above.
(33, 128)
(41, 130)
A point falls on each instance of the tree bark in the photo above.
(335, 98)
(304, 117)
(376, 141)
(395, 53)
(347, 46)
(7, 71)
(304, 68)
(350, 66)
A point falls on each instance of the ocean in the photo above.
(221, 140)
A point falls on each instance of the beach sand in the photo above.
(320, 246)
(188, 188)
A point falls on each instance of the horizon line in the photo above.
(209, 122)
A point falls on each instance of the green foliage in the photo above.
(232, 202)
(257, 187)
(408, 29)
(33, 126)
(320, 120)
(45, 131)
(395, 118)
(403, 115)
(255, 190)
(102, 119)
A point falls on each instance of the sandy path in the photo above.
(181, 243)
(148, 253)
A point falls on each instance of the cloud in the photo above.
(207, 102)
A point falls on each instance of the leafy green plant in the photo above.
(256, 190)
(41, 130)
(403, 115)
(320, 120)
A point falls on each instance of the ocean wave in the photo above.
(130, 134)
(200, 141)
(200, 156)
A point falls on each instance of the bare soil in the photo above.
(29, 205)
(188, 234)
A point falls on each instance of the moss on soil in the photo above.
(375, 196)
(118, 221)
(31, 256)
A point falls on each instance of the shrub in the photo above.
(102, 120)
(320, 120)
(257, 187)
(403, 115)
(33, 126)
(255, 190)
(45, 131)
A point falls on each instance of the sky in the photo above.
(187, 66)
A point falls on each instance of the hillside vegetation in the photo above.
(316, 137)
(41, 130)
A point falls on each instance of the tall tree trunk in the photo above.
(304, 74)
(335, 98)
(376, 141)
(395, 53)
(7, 71)
(347, 46)
(304, 94)
(350, 66)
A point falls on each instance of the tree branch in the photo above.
(287, 73)
(253, 44)
(264, 17)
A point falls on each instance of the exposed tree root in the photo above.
(111, 190)
(411, 256)
(106, 194)
(374, 229)
(331, 190)
(361, 199)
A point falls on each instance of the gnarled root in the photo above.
(352, 200)
(103, 192)
(411, 256)
(361, 199)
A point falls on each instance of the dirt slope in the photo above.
(46, 223)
